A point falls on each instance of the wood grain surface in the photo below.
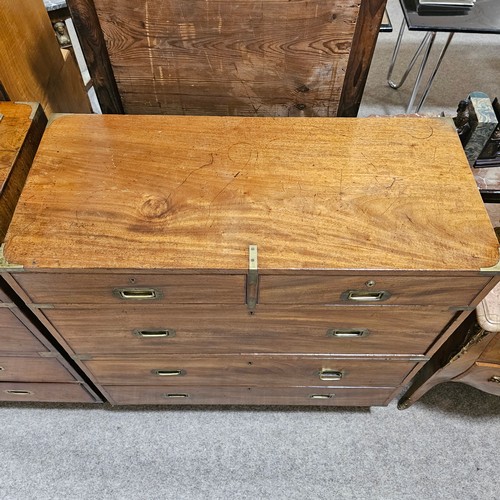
(228, 329)
(24, 369)
(191, 193)
(227, 57)
(492, 353)
(15, 337)
(481, 376)
(21, 129)
(45, 392)
(80, 288)
(221, 395)
(247, 370)
(360, 57)
(91, 39)
(408, 290)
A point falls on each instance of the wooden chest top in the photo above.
(192, 193)
(15, 121)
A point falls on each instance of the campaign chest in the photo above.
(221, 260)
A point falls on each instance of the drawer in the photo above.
(408, 290)
(249, 370)
(230, 329)
(3, 297)
(492, 352)
(44, 393)
(24, 369)
(15, 337)
(301, 396)
(60, 288)
(483, 376)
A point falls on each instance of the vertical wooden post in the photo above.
(96, 55)
(363, 46)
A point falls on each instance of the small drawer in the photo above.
(492, 352)
(15, 337)
(369, 290)
(224, 395)
(482, 376)
(249, 370)
(25, 369)
(229, 329)
(55, 288)
(44, 393)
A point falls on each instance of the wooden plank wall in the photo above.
(32, 66)
(226, 57)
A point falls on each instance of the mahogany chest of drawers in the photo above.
(217, 260)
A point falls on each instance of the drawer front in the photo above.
(229, 329)
(45, 393)
(300, 396)
(60, 288)
(15, 337)
(249, 370)
(482, 376)
(492, 352)
(3, 297)
(24, 369)
(407, 290)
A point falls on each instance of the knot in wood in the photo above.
(154, 207)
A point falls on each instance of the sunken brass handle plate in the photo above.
(321, 396)
(347, 332)
(168, 373)
(18, 392)
(176, 396)
(2, 368)
(330, 375)
(137, 293)
(495, 378)
(154, 333)
(365, 295)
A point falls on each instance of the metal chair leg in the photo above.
(434, 72)
(395, 53)
(421, 71)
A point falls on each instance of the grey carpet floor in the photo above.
(447, 446)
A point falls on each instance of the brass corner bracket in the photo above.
(493, 269)
(4, 265)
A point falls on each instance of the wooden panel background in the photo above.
(33, 67)
(229, 57)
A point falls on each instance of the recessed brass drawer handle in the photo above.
(365, 295)
(18, 392)
(168, 373)
(2, 368)
(347, 332)
(330, 375)
(176, 396)
(321, 396)
(495, 378)
(137, 293)
(153, 334)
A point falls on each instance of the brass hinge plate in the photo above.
(253, 277)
